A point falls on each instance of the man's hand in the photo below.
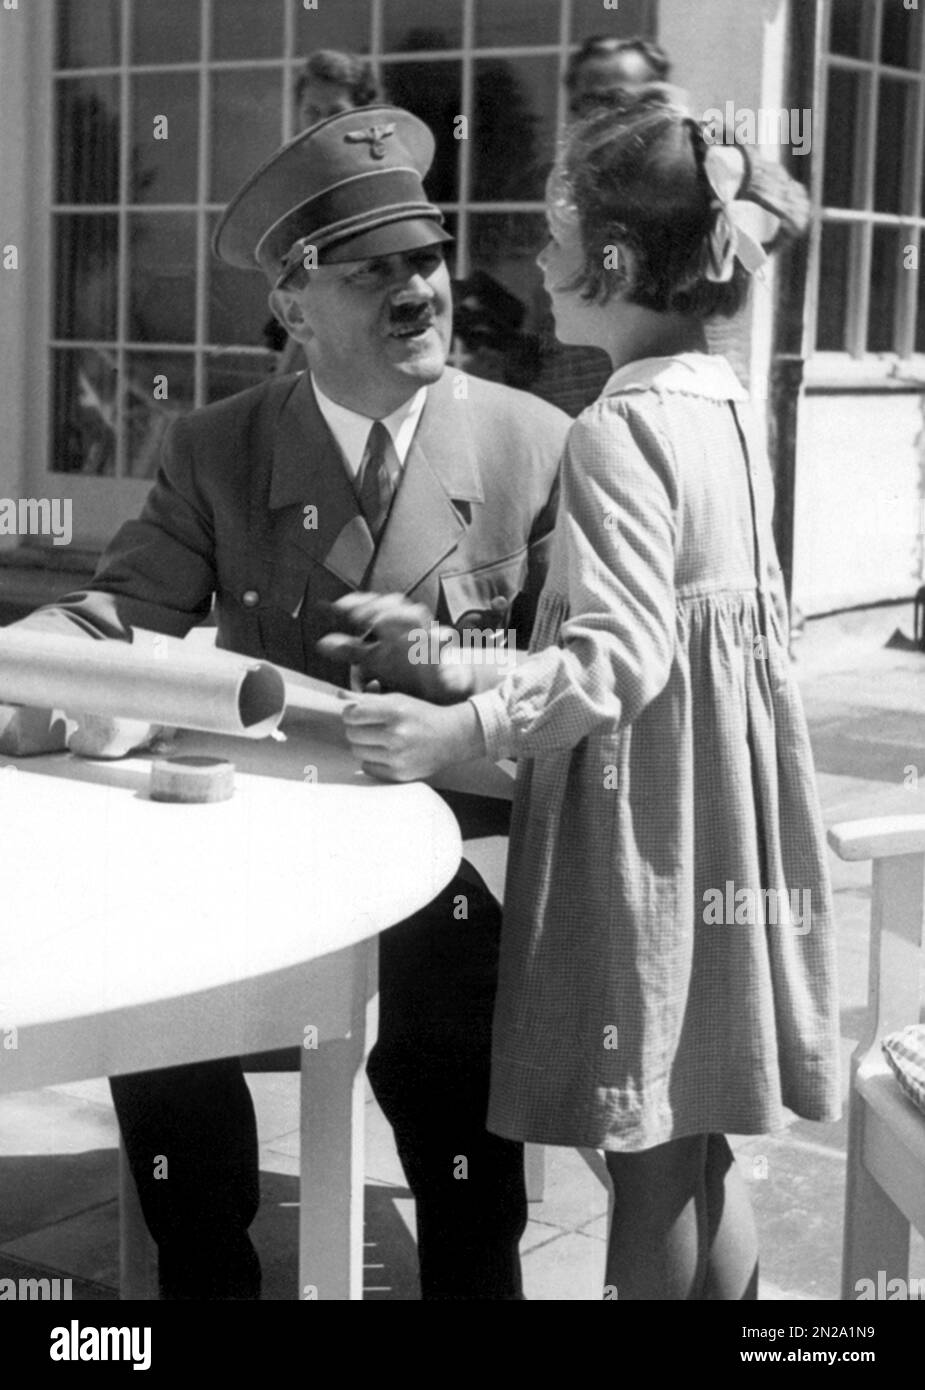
(396, 643)
(400, 739)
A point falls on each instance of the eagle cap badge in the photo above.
(374, 136)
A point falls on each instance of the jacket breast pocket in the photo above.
(482, 599)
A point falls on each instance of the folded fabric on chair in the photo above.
(905, 1052)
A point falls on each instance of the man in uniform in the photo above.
(380, 469)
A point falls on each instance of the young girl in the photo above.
(667, 959)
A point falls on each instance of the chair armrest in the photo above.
(882, 838)
(896, 844)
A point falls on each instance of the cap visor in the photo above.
(409, 235)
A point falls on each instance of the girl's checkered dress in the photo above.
(650, 986)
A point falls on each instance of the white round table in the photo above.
(137, 934)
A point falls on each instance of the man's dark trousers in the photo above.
(430, 1074)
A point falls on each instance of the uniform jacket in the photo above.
(252, 508)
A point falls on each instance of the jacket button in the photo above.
(250, 598)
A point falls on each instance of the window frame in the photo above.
(855, 367)
(102, 503)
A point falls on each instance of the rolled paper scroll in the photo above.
(156, 682)
(305, 695)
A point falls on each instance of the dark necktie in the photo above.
(376, 486)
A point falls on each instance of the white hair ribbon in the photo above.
(739, 226)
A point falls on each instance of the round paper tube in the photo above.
(214, 694)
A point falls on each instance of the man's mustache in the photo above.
(401, 315)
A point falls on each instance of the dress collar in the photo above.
(691, 373)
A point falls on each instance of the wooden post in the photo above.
(784, 392)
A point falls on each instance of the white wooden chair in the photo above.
(885, 1192)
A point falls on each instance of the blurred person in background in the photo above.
(599, 74)
(331, 82)
(605, 65)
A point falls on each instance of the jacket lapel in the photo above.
(424, 525)
(308, 471)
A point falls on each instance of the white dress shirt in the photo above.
(352, 430)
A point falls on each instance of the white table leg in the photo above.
(333, 1146)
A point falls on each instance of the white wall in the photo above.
(859, 509)
(734, 50)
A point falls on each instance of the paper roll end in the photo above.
(191, 779)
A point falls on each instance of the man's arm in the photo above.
(158, 573)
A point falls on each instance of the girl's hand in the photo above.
(401, 739)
